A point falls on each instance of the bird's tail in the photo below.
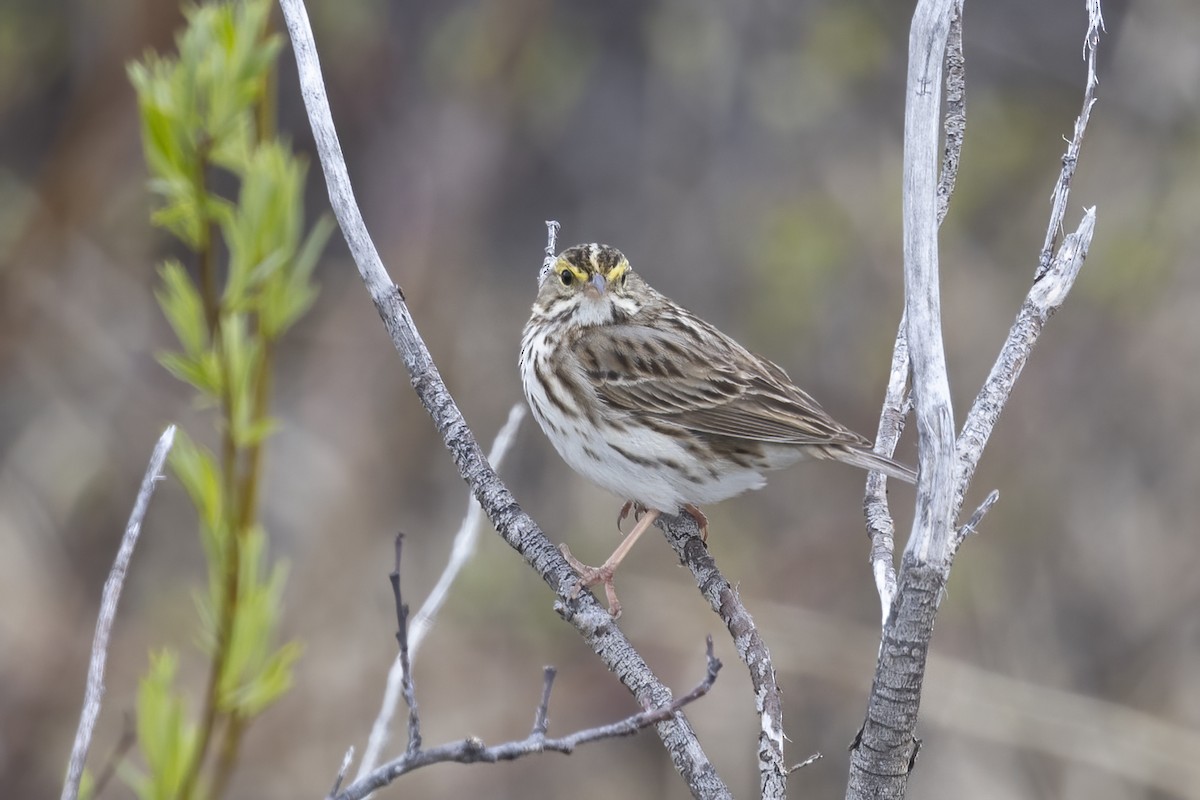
(871, 461)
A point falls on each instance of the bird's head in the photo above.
(591, 282)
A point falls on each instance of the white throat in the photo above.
(594, 311)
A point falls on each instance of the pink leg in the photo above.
(590, 576)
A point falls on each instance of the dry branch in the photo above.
(514, 525)
(683, 534)
(108, 612)
(472, 750)
(460, 553)
(885, 750)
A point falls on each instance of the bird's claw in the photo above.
(701, 520)
(590, 576)
(630, 505)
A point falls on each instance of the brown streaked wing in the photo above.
(703, 382)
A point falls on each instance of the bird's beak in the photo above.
(597, 285)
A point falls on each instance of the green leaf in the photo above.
(165, 735)
(285, 301)
(243, 355)
(197, 470)
(202, 373)
(183, 307)
(256, 672)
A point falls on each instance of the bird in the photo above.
(647, 400)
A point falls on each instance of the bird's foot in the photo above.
(590, 576)
(630, 505)
(701, 520)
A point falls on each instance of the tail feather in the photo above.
(868, 460)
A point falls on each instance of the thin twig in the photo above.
(473, 750)
(465, 543)
(541, 717)
(341, 775)
(683, 534)
(880, 527)
(1062, 189)
(1044, 298)
(516, 527)
(814, 758)
(1054, 277)
(552, 227)
(108, 612)
(970, 526)
(407, 689)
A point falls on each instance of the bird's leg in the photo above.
(701, 520)
(603, 574)
(630, 505)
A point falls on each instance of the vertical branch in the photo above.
(108, 612)
(929, 542)
(885, 748)
(880, 527)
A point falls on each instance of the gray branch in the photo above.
(896, 404)
(108, 612)
(683, 534)
(931, 386)
(472, 750)
(514, 525)
(885, 750)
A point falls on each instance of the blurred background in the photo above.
(746, 158)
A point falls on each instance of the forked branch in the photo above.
(885, 750)
(472, 750)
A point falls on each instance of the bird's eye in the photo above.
(566, 277)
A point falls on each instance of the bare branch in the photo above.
(472, 750)
(108, 612)
(514, 525)
(883, 751)
(955, 123)
(970, 526)
(886, 749)
(552, 227)
(683, 534)
(814, 758)
(931, 388)
(541, 717)
(465, 542)
(1062, 189)
(347, 760)
(880, 527)
(1044, 298)
(407, 688)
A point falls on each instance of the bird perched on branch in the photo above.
(649, 401)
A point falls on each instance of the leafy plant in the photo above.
(204, 112)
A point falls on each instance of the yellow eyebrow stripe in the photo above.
(617, 271)
(579, 274)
